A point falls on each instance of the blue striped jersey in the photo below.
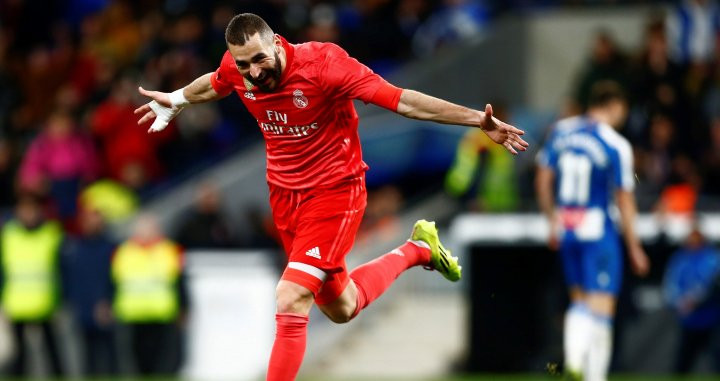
(590, 160)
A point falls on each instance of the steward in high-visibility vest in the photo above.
(146, 278)
(30, 268)
(150, 297)
(497, 187)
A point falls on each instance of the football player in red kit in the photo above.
(301, 96)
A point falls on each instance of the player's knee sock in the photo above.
(577, 337)
(374, 277)
(289, 347)
(600, 348)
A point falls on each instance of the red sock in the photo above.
(289, 348)
(374, 277)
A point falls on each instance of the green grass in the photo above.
(483, 377)
(526, 377)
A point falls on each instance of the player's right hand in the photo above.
(554, 233)
(639, 261)
(502, 133)
(554, 237)
(159, 108)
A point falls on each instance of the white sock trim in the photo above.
(422, 244)
(312, 270)
(397, 251)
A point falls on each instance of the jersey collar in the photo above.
(289, 55)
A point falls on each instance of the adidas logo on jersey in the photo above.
(249, 95)
(314, 252)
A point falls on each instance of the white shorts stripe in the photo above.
(312, 270)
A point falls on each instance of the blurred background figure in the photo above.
(693, 28)
(454, 22)
(692, 288)
(130, 154)
(113, 200)
(711, 157)
(206, 226)
(150, 297)
(584, 171)
(58, 162)
(656, 82)
(30, 281)
(679, 197)
(380, 220)
(8, 171)
(607, 62)
(88, 290)
(323, 24)
(654, 164)
(482, 175)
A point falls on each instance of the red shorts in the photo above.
(317, 227)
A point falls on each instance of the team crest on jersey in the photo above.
(249, 95)
(299, 100)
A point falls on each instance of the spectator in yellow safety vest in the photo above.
(482, 176)
(150, 297)
(30, 280)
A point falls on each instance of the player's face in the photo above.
(258, 61)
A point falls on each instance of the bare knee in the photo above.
(577, 294)
(293, 298)
(601, 303)
(339, 315)
(342, 309)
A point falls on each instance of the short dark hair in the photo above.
(245, 25)
(604, 92)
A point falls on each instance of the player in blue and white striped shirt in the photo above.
(584, 169)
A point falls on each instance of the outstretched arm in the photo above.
(416, 105)
(165, 106)
(628, 211)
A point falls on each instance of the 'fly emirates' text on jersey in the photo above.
(308, 120)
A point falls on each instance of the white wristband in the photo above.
(177, 98)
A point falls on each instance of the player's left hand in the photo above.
(503, 133)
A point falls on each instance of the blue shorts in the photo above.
(594, 266)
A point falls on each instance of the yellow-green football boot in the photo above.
(440, 258)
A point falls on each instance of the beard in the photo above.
(273, 74)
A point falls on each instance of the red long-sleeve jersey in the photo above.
(308, 121)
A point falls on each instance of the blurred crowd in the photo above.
(69, 71)
(74, 162)
(672, 82)
(73, 159)
(67, 89)
(673, 85)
